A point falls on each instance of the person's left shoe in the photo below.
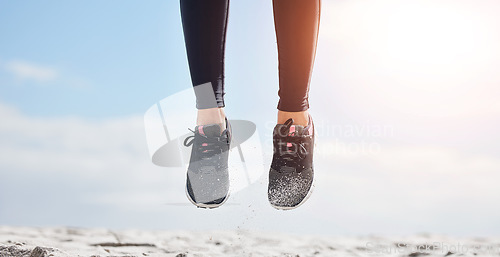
(207, 182)
(291, 175)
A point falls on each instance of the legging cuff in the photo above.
(288, 106)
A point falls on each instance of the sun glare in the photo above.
(440, 53)
(431, 36)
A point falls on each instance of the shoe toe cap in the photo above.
(207, 189)
(288, 190)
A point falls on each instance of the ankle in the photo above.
(299, 118)
(212, 116)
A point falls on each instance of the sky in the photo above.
(403, 94)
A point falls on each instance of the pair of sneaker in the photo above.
(290, 176)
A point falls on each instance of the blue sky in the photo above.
(404, 97)
(117, 59)
(111, 59)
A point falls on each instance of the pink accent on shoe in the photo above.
(200, 130)
(291, 132)
(204, 144)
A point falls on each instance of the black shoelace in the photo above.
(297, 143)
(207, 147)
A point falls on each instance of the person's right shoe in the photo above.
(291, 175)
(207, 182)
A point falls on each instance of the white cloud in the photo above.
(30, 71)
(108, 155)
(108, 164)
(412, 188)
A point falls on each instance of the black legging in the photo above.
(297, 24)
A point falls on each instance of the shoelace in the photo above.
(284, 141)
(208, 146)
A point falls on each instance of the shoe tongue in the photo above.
(212, 130)
(293, 130)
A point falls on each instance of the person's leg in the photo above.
(291, 174)
(297, 26)
(205, 25)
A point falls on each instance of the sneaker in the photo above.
(207, 183)
(291, 174)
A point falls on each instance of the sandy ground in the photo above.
(44, 242)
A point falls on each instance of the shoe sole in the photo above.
(204, 205)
